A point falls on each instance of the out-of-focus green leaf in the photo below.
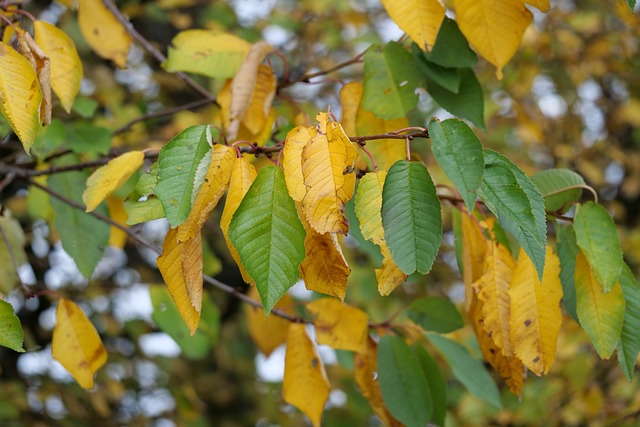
(467, 102)
(12, 230)
(451, 48)
(435, 314)
(437, 384)
(567, 251)
(629, 344)
(11, 334)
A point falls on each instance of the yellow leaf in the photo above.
(493, 27)
(192, 267)
(20, 95)
(106, 179)
(40, 63)
(242, 175)
(350, 96)
(171, 265)
(66, 67)
(327, 166)
(541, 5)
(296, 139)
(601, 315)
(255, 118)
(338, 325)
(305, 384)
(268, 332)
(117, 237)
(493, 290)
(389, 276)
(536, 315)
(213, 188)
(420, 19)
(365, 365)
(76, 343)
(103, 32)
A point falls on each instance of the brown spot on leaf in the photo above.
(536, 360)
(527, 323)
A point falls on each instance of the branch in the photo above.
(162, 113)
(307, 77)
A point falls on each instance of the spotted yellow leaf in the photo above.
(296, 139)
(76, 343)
(305, 383)
(338, 325)
(103, 32)
(268, 332)
(66, 67)
(242, 175)
(420, 19)
(106, 179)
(536, 315)
(20, 95)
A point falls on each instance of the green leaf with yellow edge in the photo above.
(269, 237)
(20, 95)
(76, 343)
(597, 236)
(106, 179)
(459, 152)
(493, 27)
(435, 314)
(559, 188)
(451, 49)
(420, 19)
(178, 163)
(339, 325)
(305, 384)
(12, 231)
(567, 251)
(411, 217)
(211, 53)
(629, 344)
(390, 78)
(405, 390)
(103, 32)
(601, 315)
(11, 334)
(517, 203)
(536, 316)
(66, 67)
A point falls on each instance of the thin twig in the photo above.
(307, 77)
(162, 113)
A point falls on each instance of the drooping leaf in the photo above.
(178, 162)
(11, 334)
(167, 316)
(451, 48)
(536, 316)
(629, 344)
(12, 230)
(389, 276)
(269, 237)
(459, 152)
(268, 332)
(297, 138)
(327, 167)
(339, 325)
(448, 78)
(389, 81)
(66, 67)
(597, 236)
(305, 383)
(20, 95)
(257, 115)
(103, 32)
(211, 53)
(405, 390)
(436, 381)
(567, 251)
(83, 236)
(411, 217)
(41, 64)
(117, 237)
(559, 188)
(517, 203)
(435, 314)
(76, 343)
(472, 254)
(106, 179)
(493, 27)
(601, 315)
(242, 175)
(469, 371)
(467, 102)
(419, 19)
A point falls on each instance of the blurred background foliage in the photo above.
(570, 98)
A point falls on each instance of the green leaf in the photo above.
(147, 182)
(269, 236)
(178, 163)
(632, 4)
(567, 251)
(437, 384)
(49, 139)
(469, 371)
(12, 230)
(467, 103)
(405, 390)
(84, 137)
(459, 152)
(448, 78)
(451, 48)
(143, 211)
(629, 344)
(435, 314)
(517, 203)
(411, 217)
(85, 107)
(11, 334)
(559, 188)
(390, 79)
(597, 236)
(167, 316)
(83, 236)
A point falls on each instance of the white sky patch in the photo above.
(271, 369)
(158, 344)
(131, 303)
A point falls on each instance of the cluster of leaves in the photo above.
(287, 220)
